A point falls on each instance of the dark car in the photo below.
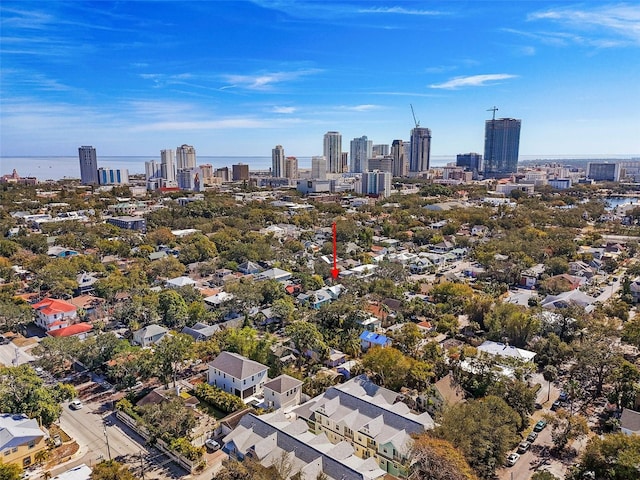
(540, 426)
(524, 446)
(532, 437)
(556, 405)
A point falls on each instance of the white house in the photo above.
(149, 335)
(53, 314)
(282, 392)
(630, 422)
(238, 375)
(505, 350)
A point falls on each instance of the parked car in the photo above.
(75, 405)
(512, 459)
(57, 441)
(532, 437)
(540, 426)
(524, 446)
(556, 405)
(563, 397)
(212, 445)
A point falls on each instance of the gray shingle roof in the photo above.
(283, 383)
(236, 365)
(16, 430)
(630, 420)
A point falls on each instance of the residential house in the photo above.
(179, 282)
(21, 438)
(274, 274)
(80, 330)
(321, 297)
(565, 299)
(282, 392)
(371, 339)
(529, 278)
(249, 268)
(479, 230)
(60, 252)
(336, 358)
(86, 283)
(238, 375)
(630, 422)
(52, 314)
(200, 332)
(149, 335)
(498, 349)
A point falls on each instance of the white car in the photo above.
(512, 459)
(212, 445)
(75, 405)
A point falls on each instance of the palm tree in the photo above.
(550, 373)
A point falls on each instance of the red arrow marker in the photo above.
(334, 271)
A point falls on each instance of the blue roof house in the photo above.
(371, 339)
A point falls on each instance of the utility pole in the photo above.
(104, 429)
(141, 466)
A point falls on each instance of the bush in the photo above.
(218, 399)
(186, 449)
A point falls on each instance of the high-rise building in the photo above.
(318, 168)
(152, 170)
(113, 176)
(603, 172)
(332, 152)
(399, 167)
(185, 157)
(291, 168)
(381, 150)
(501, 146)
(420, 157)
(471, 162)
(240, 172)
(168, 165)
(376, 183)
(361, 152)
(277, 161)
(191, 179)
(344, 162)
(383, 164)
(88, 165)
(206, 169)
(223, 174)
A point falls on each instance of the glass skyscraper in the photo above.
(88, 165)
(420, 153)
(501, 146)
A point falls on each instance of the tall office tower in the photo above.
(277, 162)
(344, 162)
(113, 176)
(168, 165)
(603, 172)
(376, 183)
(333, 151)
(191, 179)
(240, 172)
(223, 173)
(380, 149)
(419, 159)
(471, 162)
(361, 151)
(88, 165)
(399, 167)
(207, 173)
(185, 157)
(318, 168)
(383, 164)
(501, 146)
(152, 170)
(291, 168)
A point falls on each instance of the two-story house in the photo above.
(20, 439)
(149, 335)
(53, 314)
(238, 375)
(282, 392)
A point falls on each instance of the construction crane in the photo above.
(494, 110)
(417, 122)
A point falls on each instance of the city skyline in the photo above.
(122, 76)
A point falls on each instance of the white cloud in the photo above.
(400, 11)
(279, 109)
(265, 81)
(473, 81)
(619, 23)
(359, 108)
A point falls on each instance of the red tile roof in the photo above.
(51, 306)
(76, 329)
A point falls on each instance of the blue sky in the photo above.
(237, 78)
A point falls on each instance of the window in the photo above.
(244, 381)
(14, 449)
(31, 444)
(7, 451)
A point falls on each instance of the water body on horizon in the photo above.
(56, 168)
